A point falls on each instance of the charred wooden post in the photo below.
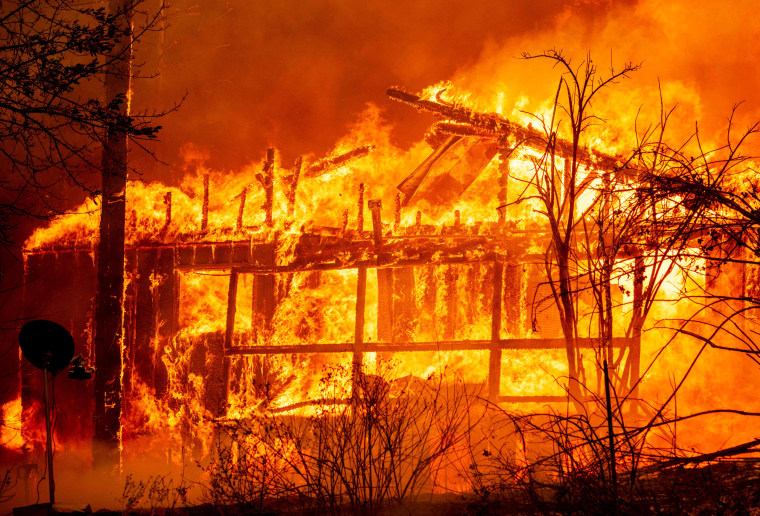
(384, 279)
(358, 349)
(494, 359)
(239, 222)
(292, 187)
(344, 226)
(418, 219)
(228, 336)
(503, 179)
(375, 206)
(110, 275)
(360, 211)
(397, 213)
(266, 178)
(204, 210)
(457, 219)
(168, 204)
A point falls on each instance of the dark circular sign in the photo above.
(47, 345)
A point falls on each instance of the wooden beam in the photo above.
(430, 346)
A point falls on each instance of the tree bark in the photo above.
(110, 275)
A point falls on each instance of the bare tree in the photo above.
(53, 111)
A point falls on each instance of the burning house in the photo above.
(223, 317)
(538, 299)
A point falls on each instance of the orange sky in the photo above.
(295, 74)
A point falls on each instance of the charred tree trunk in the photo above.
(110, 273)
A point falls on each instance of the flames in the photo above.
(329, 200)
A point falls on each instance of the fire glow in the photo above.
(245, 292)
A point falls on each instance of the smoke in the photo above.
(296, 74)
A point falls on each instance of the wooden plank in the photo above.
(223, 254)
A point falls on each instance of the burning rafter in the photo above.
(462, 121)
(330, 162)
